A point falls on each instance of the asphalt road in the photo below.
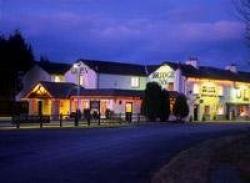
(107, 155)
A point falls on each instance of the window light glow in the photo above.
(135, 82)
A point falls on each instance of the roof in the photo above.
(208, 72)
(56, 90)
(109, 92)
(119, 68)
(220, 74)
(65, 90)
(54, 68)
(108, 67)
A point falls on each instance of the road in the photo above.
(106, 155)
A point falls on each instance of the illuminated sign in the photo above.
(163, 75)
(209, 91)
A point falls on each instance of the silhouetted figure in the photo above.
(87, 115)
(77, 117)
(95, 115)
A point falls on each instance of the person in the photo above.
(87, 115)
(95, 115)
(77, 117)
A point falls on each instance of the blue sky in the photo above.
(136, 31)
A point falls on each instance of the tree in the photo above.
(181, 109)
(165, 105)
(151, 105)
(16, 57)
(243, 7)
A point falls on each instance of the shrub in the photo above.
(156, 103)
(181, 109)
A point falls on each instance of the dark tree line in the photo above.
(156, 104)
(16, 57)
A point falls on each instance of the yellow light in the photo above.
(57, 79)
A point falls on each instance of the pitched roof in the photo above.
(54, 68)
(65, 90)
(220, 74)
(55, 90)
(119, 68)
(109, 92)
(209, 72)
(108, 67)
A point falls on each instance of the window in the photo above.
(238, 93)
(135, 82)
(57, 79)
(81, 82)
(129, 107)
(171, 86)
(220, 110)
(246, 94)
(220, 91)
(196, 89)
(207, 110)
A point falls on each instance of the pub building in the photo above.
(212, 93)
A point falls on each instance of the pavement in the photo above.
(99, 155)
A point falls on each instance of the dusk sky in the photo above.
(135, 31)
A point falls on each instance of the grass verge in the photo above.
(195, 165)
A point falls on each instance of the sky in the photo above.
(132, 31)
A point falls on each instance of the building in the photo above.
(213, 93)
(86, 84)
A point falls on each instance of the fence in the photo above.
(75, 120)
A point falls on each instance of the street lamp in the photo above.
(77, 67)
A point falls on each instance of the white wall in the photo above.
(90, 76)
(164, 75)
(118, 107)
(120, 82)
(33, 76)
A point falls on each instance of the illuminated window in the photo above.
(246, 94)
(238, 93)
(40, 90)
(220, 91)
(129, 107)
(82, 80)
(220, 110)
(135, 82)
(196, 89)
(57, 79)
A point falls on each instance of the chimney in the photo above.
(231, 68)
(193, 61)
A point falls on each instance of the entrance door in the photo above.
(128, 111)
(129, 107)
(40, 107)
(196, 111)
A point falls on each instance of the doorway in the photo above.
(40, 108)
(128, 111)
(196, 112)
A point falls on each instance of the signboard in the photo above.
(163, 75)
(208, 91)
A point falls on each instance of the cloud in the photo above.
(67, 34)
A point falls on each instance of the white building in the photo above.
(212, 93)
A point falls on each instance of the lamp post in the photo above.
(78, 71)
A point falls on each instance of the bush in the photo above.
(165, 106)
(152, 101)
(156, 102)
(181, 109)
